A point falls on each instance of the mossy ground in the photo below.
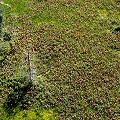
(77, 58)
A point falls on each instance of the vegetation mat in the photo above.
(60, 59)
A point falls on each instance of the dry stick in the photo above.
(29, 64)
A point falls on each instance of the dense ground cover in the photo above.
(75, 46)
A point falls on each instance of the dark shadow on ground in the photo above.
(20, 97)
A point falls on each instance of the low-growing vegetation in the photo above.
(60, 59)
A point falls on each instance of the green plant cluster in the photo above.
(77, 55)
(33, 114)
